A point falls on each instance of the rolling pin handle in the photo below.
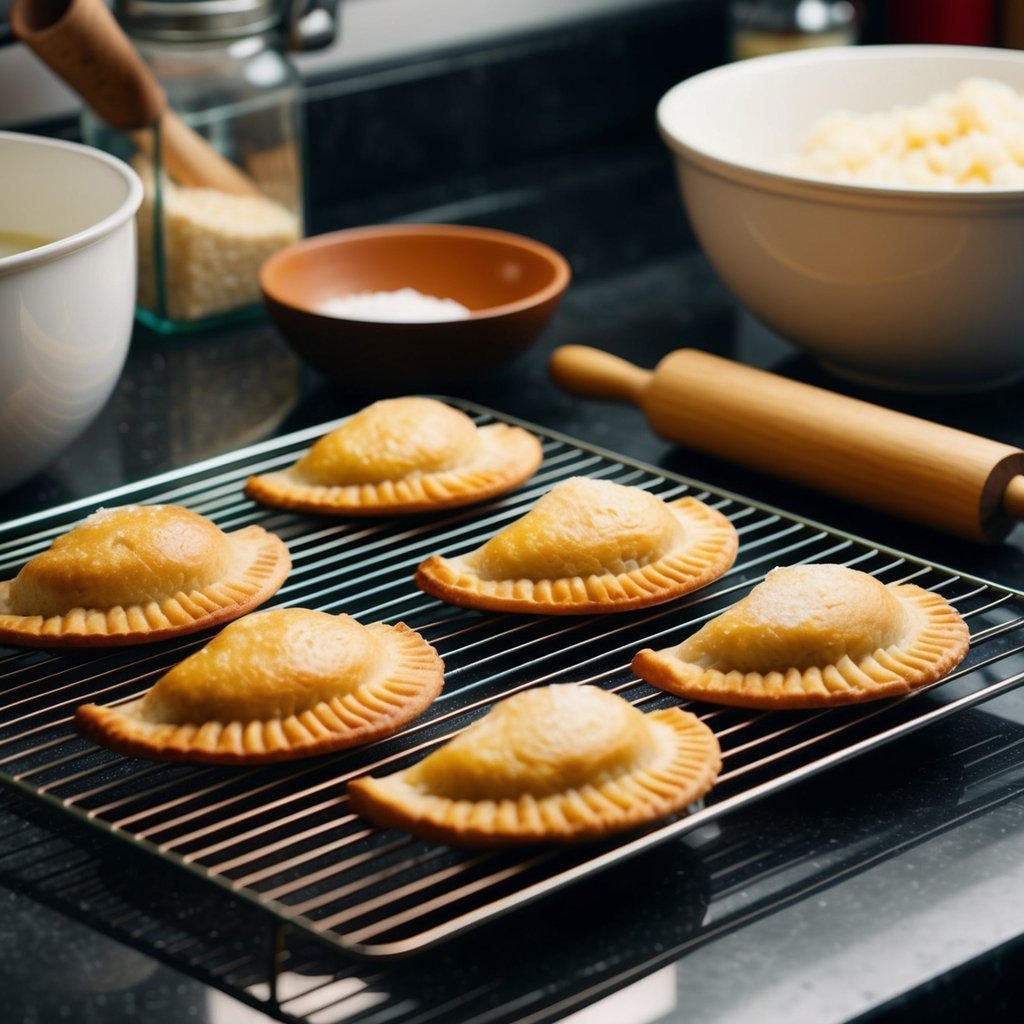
(1013, 498)
(589, 372)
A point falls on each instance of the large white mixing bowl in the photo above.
(899, 286)
(66, 306)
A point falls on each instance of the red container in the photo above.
(968, 22)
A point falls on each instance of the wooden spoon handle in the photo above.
(190, 160)
(81, 41)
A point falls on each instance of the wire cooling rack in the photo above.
(282, 836)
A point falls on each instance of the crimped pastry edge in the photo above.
(935, 650)
(415, 680)
(260, 578)
(635, 799)
(710, 553)
(509, 456)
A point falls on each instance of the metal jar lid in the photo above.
(309, 24)
(799, 17)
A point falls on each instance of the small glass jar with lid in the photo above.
(759, 27)
(224, 171)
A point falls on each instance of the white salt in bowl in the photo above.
(509, 286)
(894, 285)
(67, 301)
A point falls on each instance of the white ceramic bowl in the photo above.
(66, 306)
(896, 286)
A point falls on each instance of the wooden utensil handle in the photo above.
(596, 374)
(81, 41)
(921, 471)
(190, 160)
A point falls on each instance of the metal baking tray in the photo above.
(282, 836)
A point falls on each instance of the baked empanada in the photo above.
(555, 764)
(812, 636)
(402, 455)
(588, 546)
(137, 573)
(276, 685)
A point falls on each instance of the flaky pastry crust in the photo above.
(556, 764)
(139, 573)
(589, 546)
(277, 685)
(814, 636)
(402, 456)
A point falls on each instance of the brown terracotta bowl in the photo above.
(510, 284)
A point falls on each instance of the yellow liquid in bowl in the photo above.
(12, 242)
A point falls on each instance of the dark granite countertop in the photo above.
(888, 890)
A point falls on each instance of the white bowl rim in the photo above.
(993, 197)
(80, 239)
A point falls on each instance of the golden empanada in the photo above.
(138, 573)
(812, 636)
(589, 546)
(402, 455)
(557, 763)
(276, 685)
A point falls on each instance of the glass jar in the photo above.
(758, 27)
(223, 173)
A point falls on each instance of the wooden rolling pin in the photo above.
(81, 41)
(908, 467)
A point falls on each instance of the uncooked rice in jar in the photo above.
(213, 244)
(969, 137)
